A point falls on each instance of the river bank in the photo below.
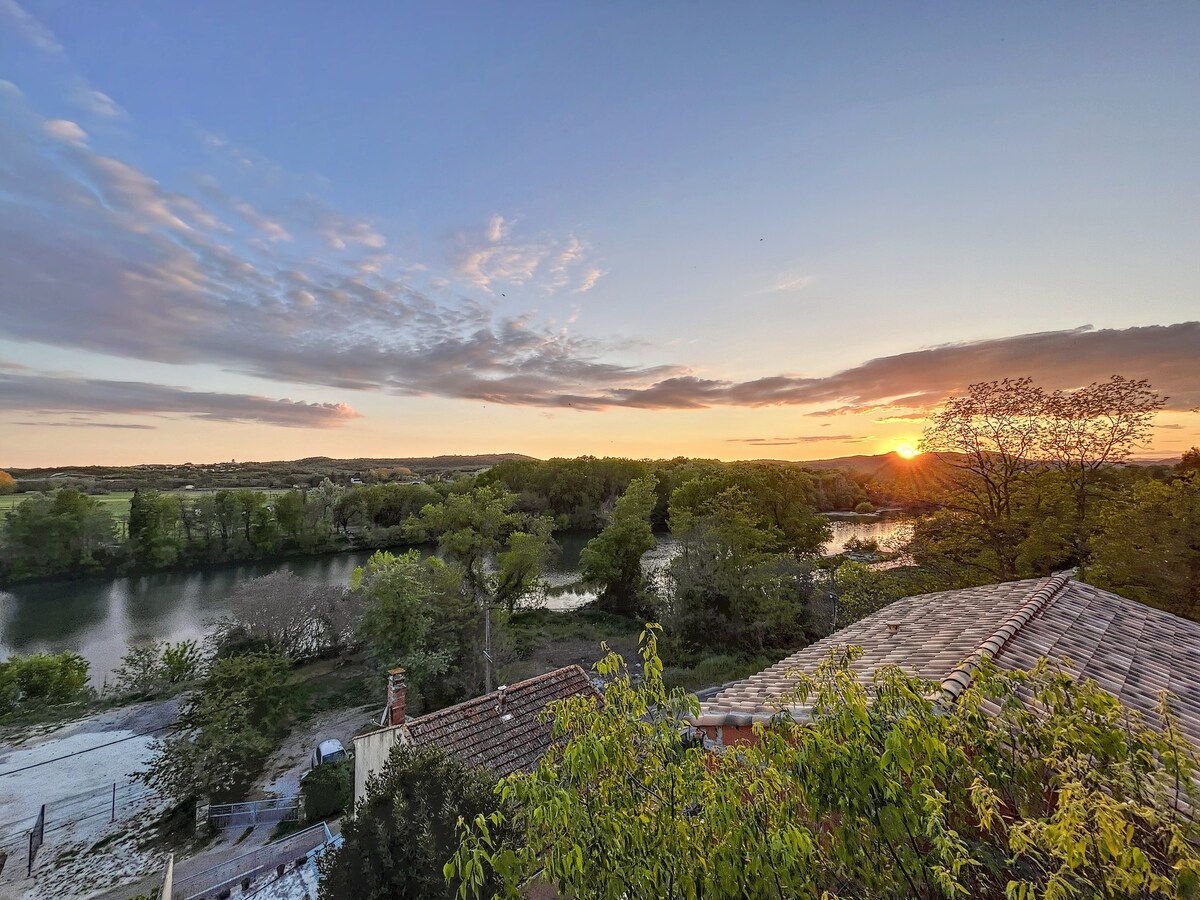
(101, 618)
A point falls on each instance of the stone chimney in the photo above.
(395, 703)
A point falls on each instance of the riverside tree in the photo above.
(612, 560)
(416, 614)
(226, 730)
(478, 525)
(882, 793)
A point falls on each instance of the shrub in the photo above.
(865, 506)
(43, 677)
(328, 789)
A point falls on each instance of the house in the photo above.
(505, 731)
(1130, 650)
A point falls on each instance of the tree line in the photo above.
(68, 533)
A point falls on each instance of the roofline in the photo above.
(516, 684)
(963, 675)
(952, 686)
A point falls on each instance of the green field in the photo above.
(118, 501)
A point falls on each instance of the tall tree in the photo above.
(417, 615)
(1147, 546)
(612, 560)
(477, 526)
(1097, 426)
(404, 831)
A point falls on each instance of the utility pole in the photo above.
(487, 647)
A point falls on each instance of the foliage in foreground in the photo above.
(226, 730)
(405, 828)
(897, 797)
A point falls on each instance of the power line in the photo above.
(46, 762)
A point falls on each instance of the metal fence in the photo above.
(250, 813)
(246, 869)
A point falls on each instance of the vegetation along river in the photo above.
(100, 618)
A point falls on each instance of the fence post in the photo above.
(36, 836)
(113, 818)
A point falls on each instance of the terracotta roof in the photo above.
(506, 735)
(1131, 650)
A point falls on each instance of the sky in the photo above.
(268, 230)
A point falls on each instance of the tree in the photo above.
(473, 526)
(415, 615)
(861, 591)
(1190, 462)
(40, 679)
(226, 730)
(612, 560)
(65, 533)
(991, 438)
(152, 518)
(880, 792)
(287, 614)
(153, 668)
(730, 588)
(1147, 546)
(8, 484)
(1097, 426)
(405, 829)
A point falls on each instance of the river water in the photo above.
(100, 618)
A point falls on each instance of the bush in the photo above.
(865, 507)
(45, 678)
(713, 670)
(328, 789)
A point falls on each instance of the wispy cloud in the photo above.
(495, 255)
(790, 282)
(33, 31)
(95, 102)
(88, 424)
(45, 393)
(801, 439)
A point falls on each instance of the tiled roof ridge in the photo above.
(507, 688)
(954, 684)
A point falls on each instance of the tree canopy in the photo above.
(884, 793)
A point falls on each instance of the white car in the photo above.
(328, 751)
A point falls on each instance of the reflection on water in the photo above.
(100, 618)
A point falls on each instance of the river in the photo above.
(100, 618)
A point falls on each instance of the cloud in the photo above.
(97, 255)
(589, 279)
(493, 255)
(45, 393)
(65, 130)
(790, 282)
(802, 439)
(96, 102)
(34, 32)
(88, 424)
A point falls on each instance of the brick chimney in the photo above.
(395, 703)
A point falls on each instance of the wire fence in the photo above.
(96, 806)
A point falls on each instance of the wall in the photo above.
(370, 754)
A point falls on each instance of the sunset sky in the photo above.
(261, 230)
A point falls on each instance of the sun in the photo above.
(907, 452)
